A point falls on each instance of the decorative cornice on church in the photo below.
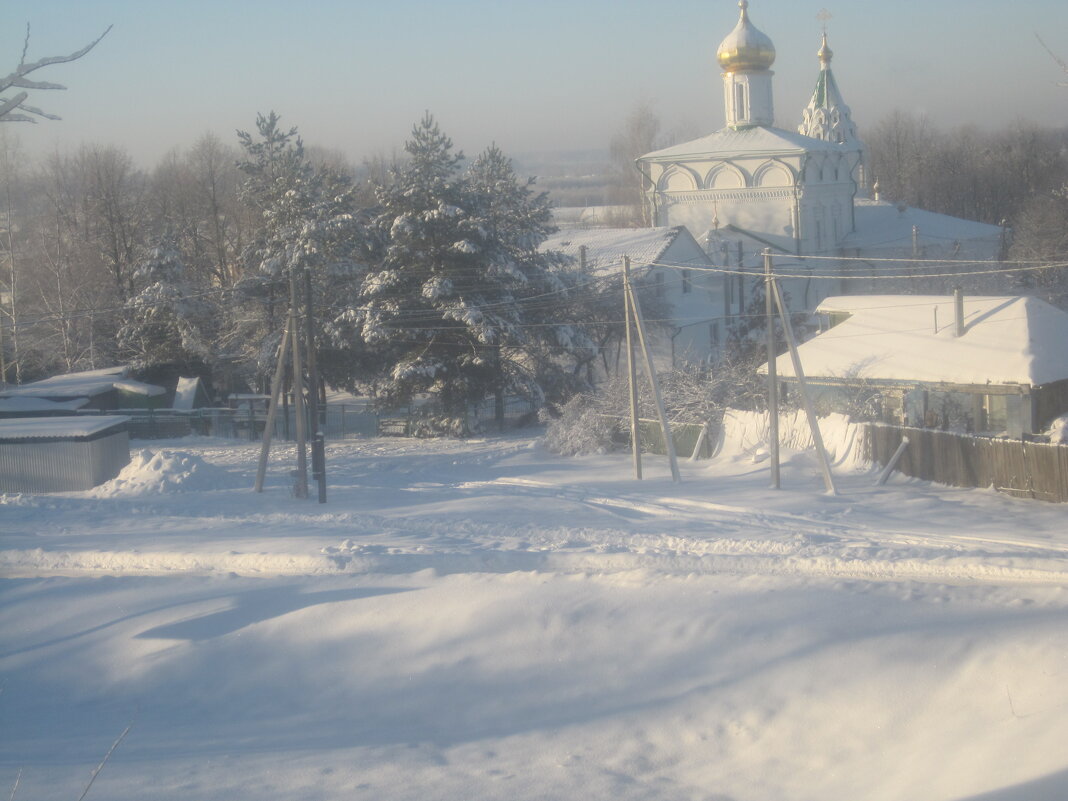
(746, 195)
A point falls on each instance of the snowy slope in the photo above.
(484, 620)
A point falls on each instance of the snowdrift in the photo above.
(165, 471)
(745, 435)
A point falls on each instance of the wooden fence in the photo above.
(340, 420)
(1023, 469)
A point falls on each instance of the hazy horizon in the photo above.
(534, 78)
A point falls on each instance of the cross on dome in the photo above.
(825, 53)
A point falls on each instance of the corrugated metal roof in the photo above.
(24, 428)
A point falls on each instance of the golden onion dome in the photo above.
(745, 48)
(825, 52)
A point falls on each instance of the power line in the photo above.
(899, 276)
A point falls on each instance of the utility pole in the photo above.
(3, 362)
(272, 410)
(318, 438)
(635, 433)
(665, 428)
(773, 380)
(300, 486)
(799, 373)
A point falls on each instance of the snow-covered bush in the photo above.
(1058, 430)
(439, 425)
(580, 429)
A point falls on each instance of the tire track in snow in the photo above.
(697, 511)
(710, 538)
(963, 570)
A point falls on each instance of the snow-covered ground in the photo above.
(484, 620)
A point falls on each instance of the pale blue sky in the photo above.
(530, 75)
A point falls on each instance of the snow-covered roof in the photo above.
(1006, 340)
(85, 388)
(882, 224)
(760, 140)
(22, 428)
(605, 247)
(32, 404)
(85, 384)
(139, 388)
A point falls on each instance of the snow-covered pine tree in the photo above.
(457, 294)
(307, 220)
(167, 325)
(544, 336)
(421, 306)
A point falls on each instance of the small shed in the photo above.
(60, 454)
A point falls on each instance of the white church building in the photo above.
(751, 185)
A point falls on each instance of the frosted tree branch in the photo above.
(1060, 61)
(10, 108)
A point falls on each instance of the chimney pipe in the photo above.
(958, 305)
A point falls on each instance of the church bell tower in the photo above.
(746, 56)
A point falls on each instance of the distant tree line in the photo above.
(1016, 176)
(988, 176)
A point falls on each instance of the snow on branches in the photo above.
(457, 300)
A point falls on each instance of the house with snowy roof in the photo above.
(992, 365)
(803, 193)
(666, 263)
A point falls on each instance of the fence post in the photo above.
(701, 438)
(892, 463)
